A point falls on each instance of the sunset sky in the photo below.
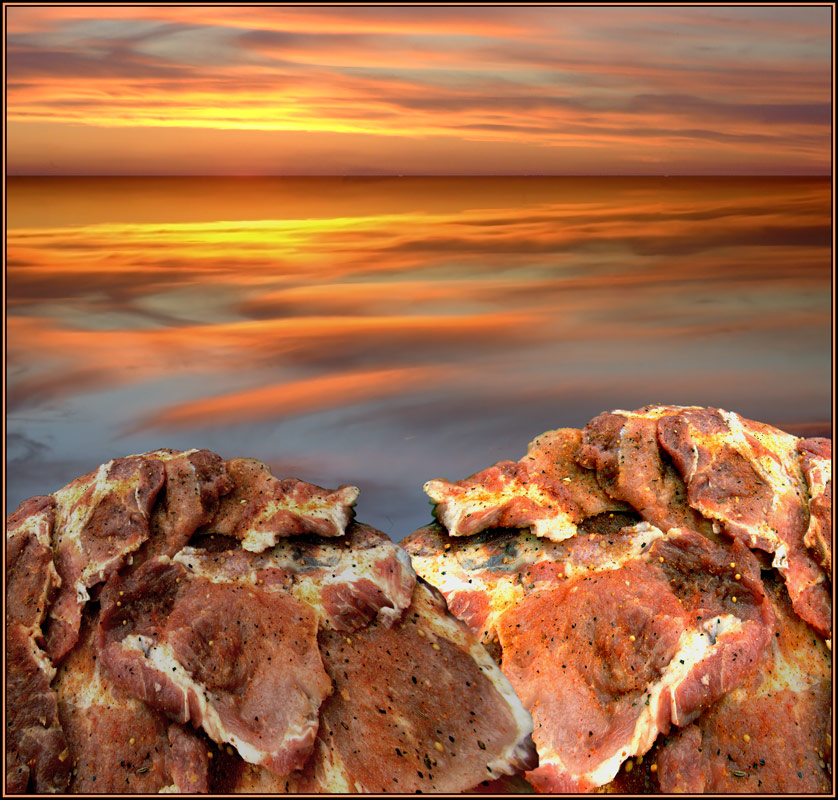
(498, 90)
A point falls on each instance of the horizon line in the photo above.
(421, 175)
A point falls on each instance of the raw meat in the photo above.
(443, 720)
(610, 638)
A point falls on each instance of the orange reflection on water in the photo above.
(292, 398)
(271, 283)
(383, 332)
(269, 233)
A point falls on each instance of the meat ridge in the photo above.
(195, 480)
(745, 482)
(507, 494)
(260, 508)
(444, 720)
(816, 463)
(31, 577)
(36, 745)
(238, 661)
(100, 520)
(117, 743)
(747, 476)
(566, 477)
(622, 447)
(554, 454)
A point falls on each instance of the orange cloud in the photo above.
(497, 90)
(380, 20)
(297, 397)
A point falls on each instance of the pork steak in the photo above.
(117, 743)
(772, 734)
(238, 660)
(444, 720)
(609, 639)
(36, 747)
(546, 491)
(647, 624)
(748, 477)
(262, 508)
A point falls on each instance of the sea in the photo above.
(381, 332)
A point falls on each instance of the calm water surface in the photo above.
(382, 332)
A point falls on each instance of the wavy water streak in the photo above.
(341, 323)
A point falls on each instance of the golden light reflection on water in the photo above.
(321, 318)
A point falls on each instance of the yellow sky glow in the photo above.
(129, 90)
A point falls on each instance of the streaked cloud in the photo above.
(629, 90)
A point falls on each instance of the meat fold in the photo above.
(504, 495)
(609, 639)
(546, 491)
(31, 577)
(816, 463)
(261, 508)
(100, 520)
(622, 447)
(747, 477)
(443, 720)
(553, 454)
(117, 743)
(195, 480)
(772, 734)
(237, 660)
(36, 746)
(347, 582)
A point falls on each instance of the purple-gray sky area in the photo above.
(419, 90)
